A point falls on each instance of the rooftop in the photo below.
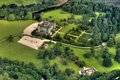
(46, 24)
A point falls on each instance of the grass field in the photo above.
(58, 14)
(12, 28)
(67, 28)
(16, 51)
(18, 2)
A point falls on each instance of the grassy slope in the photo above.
(11, 28)
(58, 15)
(18, 2)
(16, 51)
(92, 62)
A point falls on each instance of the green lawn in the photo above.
(12, 28)
(67, 28)
(58, 14)
(18, 2)
(15, 51)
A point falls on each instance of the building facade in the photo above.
(46, 27)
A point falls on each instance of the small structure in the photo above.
(87, 71)
(46, 27)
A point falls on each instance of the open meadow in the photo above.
(13, 27)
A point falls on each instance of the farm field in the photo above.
(13, 27)
(18, 2)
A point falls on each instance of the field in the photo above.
(12, 28)
(58, 14)
(18, 2)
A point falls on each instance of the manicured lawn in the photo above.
(58, 14)
(13, 27)
(18, 2)
(67, 28)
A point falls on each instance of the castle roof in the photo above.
(46, 24)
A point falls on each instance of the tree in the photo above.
(11, 17)
(69, 71)
(10, 38)
(110, 42)
(117, 56)
(105, 52)
(37, 17)
(92, 51)
(107, 62)
(104, 37)
(95, 75)
(57, 50)
(28, 16)
(5, 76)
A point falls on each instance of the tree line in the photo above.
(13, 12)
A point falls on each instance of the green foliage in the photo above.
(102, 76)
(107, 62)
(5, 76)
(117, 56)
(11, 17)
(14, 12)
(10, 38)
